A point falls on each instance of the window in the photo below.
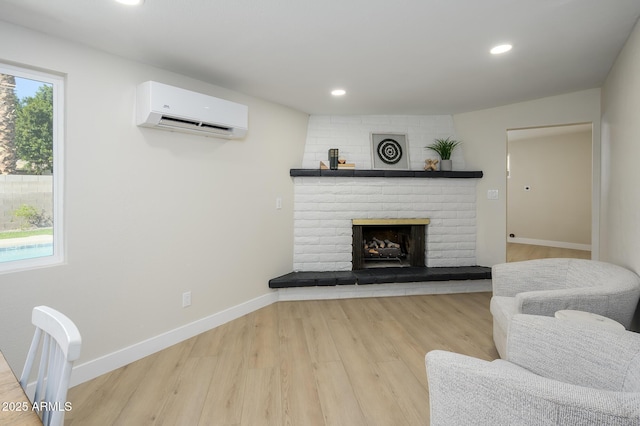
(31, 170)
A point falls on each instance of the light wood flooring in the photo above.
(330, 362)
(517, 252)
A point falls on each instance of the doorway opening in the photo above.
(549, 192)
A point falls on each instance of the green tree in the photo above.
(34, 130)
(8, 105)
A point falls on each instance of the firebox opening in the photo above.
(386, 246)
(382, 243)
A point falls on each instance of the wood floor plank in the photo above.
(368, 310)
(298, 309)
(91, 392)
(263, 391)
(107, 400)
(376, 402)
(409, 350)
(365, 318)
(477, 303)
(154, 388)
(184, 404)
(459, 332)
(265, 343)
(320, 344)
(422, 323)
(471, 327)
(316, 362)
(208, 344)
(339, 403)
(332, 309)
(300, 400)
(223, 403)
(408, 392)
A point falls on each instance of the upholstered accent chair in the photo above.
(544, 286)
(557, 372)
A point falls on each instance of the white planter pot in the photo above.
(445, 165)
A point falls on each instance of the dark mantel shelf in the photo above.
(455, 174)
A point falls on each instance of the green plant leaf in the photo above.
(444, 147)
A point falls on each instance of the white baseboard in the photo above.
(547, 243)
(99, 366)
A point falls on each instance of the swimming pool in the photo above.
(27, 251)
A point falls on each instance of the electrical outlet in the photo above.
(278, 203)
(492, 194)
(186, 299)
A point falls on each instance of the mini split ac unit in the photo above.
(170, 108)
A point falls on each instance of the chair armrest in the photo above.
(615, 303)
(464, 390)
(573, 352)
(509, 279)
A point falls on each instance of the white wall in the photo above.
(485, 146)
(620, 232)
(141, 226)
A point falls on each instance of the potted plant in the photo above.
(444, 148)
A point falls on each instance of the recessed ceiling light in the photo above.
(501, 49)
(131, 2)
(338, 92)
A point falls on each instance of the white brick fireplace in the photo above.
(324, 206)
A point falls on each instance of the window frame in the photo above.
(58, 84)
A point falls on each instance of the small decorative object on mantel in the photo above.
(347, 166)
(333, 158)
(444, 148)
(431, 164)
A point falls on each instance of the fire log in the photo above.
(391, 244)
(379, 242)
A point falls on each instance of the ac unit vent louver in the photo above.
(190, 124)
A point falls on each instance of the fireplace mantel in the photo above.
(456, 174)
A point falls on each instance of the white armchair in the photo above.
(544, 286)
(556, 373)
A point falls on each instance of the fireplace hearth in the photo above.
(384, 243)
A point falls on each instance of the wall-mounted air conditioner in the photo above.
(170, 108)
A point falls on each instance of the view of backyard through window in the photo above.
(26, 168)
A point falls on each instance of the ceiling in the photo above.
(392, 57)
